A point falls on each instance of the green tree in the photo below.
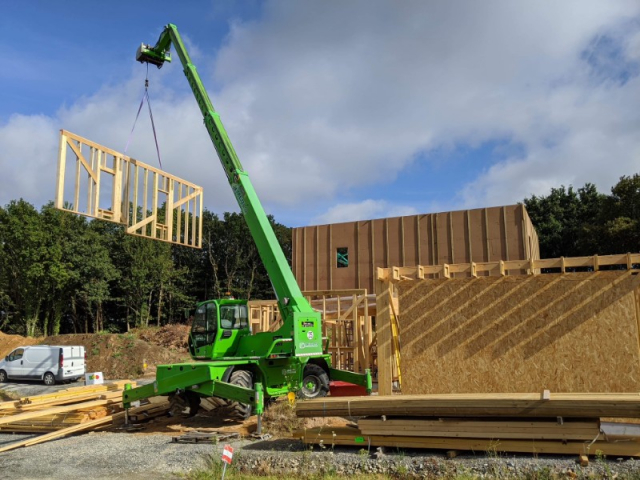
(621, 217)
(567, 221)
(25, 258)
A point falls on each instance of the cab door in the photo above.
(234, 324)
(14, 365)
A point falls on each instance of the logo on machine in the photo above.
(307, 324)
(310, 335)
(308, 345)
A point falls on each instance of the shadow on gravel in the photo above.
(277, 445)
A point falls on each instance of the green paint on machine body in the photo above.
(221, 341)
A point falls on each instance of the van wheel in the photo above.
(49, 379)
(3, 376)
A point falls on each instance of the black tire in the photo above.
(240, 411)
(177, 404)
(3, 376)
(49, 379)
(315, 382)
(217, 403)
(193, 399)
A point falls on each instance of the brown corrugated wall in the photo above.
(480, 235)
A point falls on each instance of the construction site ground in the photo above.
(151, 452)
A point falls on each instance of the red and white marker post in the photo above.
(227, 455)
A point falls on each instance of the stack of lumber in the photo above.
(559, 423)
(69, 411)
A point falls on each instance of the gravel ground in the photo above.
(29, 388)
(136, 456)
(106, 455)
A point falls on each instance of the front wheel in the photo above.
(240, 411)
(3, 376)
(315, 382)
(49, 379)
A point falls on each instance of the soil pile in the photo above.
(120, 355)
(174, 336)
(10, 342)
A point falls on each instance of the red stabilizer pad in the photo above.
(345, 389)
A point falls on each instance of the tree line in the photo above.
(63, 273)
(582, 222)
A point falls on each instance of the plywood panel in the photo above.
(395, 240)
(572, 333)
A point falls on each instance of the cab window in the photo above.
(234, 317)
(16, 354)
(205, 319)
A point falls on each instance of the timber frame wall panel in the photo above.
(568, 332)
(481, 235)
(109, 185)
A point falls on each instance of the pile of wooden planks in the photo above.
(69, 411)
(524, 423)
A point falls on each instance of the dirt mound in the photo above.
(10, 342)
(173, 336)
(120, 355)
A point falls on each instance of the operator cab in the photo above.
(217, 328)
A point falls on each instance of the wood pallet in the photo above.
(521, 423)
(328, 437)
(511, 429)
(566, 405)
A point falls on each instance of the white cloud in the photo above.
(27, 148)
(319, 99)
(365, 210)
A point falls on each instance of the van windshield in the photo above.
(16, 354)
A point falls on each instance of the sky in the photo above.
(339, 111)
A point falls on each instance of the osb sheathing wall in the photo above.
(575, 332)
(481, 235)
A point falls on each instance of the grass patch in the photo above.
(280, 418)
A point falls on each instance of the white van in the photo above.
(50, 364)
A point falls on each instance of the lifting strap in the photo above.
(145, 96)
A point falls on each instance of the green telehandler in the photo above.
(239, 369)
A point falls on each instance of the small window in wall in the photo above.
(342, 257)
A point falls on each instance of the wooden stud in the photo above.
(384, 339)
(62, 161)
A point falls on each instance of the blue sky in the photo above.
(339, 111)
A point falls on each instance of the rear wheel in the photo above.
(240, 411)
(49, 379)
(193, 399)
(3, 376)
(315, 382)
(177, 404)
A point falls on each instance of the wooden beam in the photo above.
(384, 335)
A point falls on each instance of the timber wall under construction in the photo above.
(574, 332)
(480, 235)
